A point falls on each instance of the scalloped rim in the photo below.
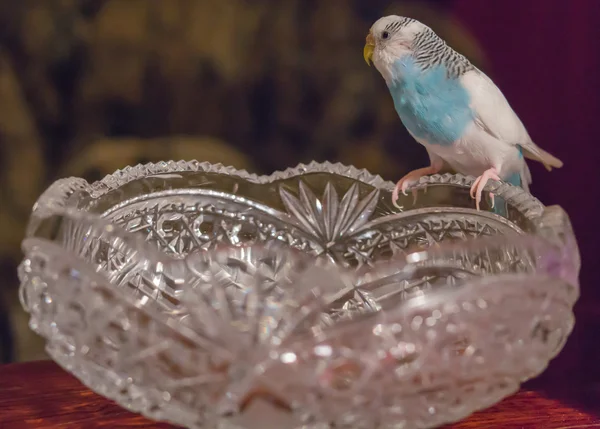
(55, 200)
(517, 197)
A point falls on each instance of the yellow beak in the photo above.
(369, 48)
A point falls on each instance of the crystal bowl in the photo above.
(213, 298)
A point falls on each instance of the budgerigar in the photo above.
(450, 107)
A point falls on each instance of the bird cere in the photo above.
(450, 107)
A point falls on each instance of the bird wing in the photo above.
(495, 116)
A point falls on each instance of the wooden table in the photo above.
(42, 395)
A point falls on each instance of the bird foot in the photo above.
(408, 180)
(479, 184)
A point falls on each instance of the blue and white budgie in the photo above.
(451, 108)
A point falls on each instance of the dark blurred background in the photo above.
(87, 87)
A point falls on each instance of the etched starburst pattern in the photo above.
(328, 218)
(213, 298)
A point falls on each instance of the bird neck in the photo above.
(431, 51)
(387, 58)
(404, 70)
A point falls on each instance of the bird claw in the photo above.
(479, 184)
(410, 179)
(402, 186)
(405, 185)
(395, 198)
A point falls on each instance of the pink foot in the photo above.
(410, 179)
(479, 184)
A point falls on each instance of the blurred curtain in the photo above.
(90, 86)
(545, 56)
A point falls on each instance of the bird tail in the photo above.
(534, 152)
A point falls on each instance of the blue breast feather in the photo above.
(432, 106)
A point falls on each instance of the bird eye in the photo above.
(385, 35)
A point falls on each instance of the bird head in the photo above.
(390, 38)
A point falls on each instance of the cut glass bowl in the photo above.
(214, 298)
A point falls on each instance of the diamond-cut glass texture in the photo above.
(213, 298)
